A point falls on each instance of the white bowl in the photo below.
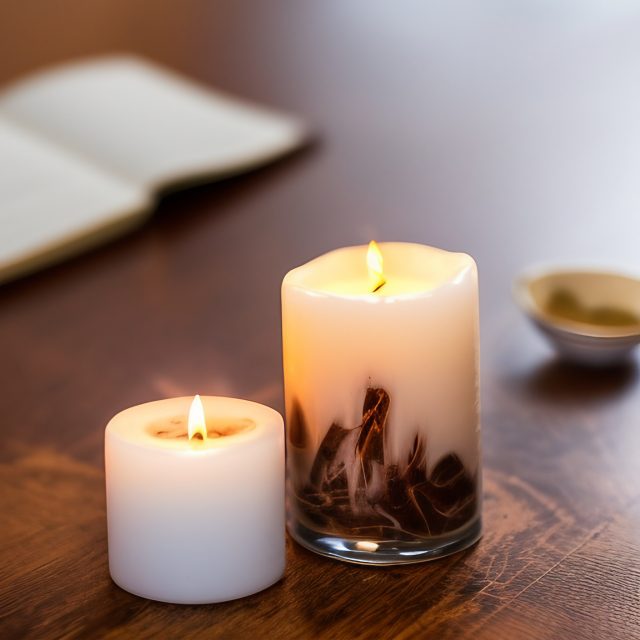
(584, 342)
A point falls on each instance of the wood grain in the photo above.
(472, 131)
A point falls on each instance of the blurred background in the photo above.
(508, 130)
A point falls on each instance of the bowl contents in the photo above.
(589, 316)
(564, 304)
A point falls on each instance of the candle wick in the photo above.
(379, 286)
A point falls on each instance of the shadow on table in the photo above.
(561, 382)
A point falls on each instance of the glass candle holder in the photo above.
(381, 393)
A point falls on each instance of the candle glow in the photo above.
(197, 425)
(374, 265)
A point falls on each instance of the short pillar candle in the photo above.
(195, 517)
(380, 352)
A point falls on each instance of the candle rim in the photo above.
(216, 427)
(295, 278)
(268, 423)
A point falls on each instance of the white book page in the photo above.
(53, 204)
(148, 124)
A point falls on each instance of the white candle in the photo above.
(381, 390)
(195, 520)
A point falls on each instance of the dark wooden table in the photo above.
(508, 130)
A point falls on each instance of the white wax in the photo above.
(190, 521)
(417, 337)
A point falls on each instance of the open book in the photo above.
(86, 148)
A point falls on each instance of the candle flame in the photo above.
(374, 264)
(197, 426)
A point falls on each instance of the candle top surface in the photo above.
(163, 424)
(410, 270)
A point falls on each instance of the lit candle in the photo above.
(381, 390)
(195, 506)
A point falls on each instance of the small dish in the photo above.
(591, 317)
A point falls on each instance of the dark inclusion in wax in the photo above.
(384, 501)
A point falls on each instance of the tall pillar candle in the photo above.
(195, 507)
(380, 352)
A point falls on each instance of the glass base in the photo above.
(383, 551)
